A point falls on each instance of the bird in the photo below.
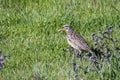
(74, 39)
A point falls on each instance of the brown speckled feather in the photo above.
(77, 41)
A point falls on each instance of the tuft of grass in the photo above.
(28, 32)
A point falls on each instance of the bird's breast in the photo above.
(72, 43)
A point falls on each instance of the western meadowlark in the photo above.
(74, 39)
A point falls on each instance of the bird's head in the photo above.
(65, 28)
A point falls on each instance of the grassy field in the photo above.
(28, 33)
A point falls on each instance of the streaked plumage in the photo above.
(75, 39)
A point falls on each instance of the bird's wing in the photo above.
(80, 41)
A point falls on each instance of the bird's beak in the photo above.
(60, 30)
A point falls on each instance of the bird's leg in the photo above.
(74, 57)
(70, 50)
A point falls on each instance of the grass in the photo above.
(28, 33)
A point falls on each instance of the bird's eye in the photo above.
(62, 26)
